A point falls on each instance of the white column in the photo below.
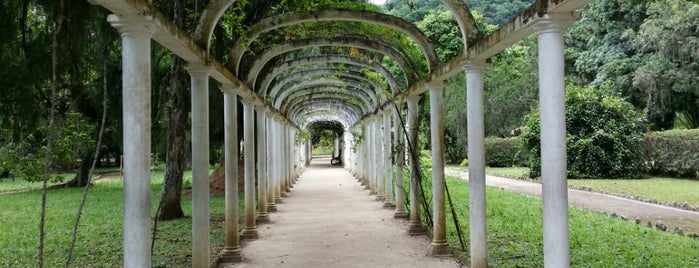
(399, 159)
(415, 226)
(250, 229)
(553, 136)
(476, 164)
(231, 250)
(136, 84)
(262, 215)
(439, 244)
(387, 165)
(278, 172)
(200, 165)
(271, 163)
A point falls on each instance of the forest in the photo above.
(61, 76)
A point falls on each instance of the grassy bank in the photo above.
(100, 235)
(515, 235)
(659, 188)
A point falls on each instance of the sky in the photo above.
(377, 2)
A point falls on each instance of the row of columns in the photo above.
(373, 164)
(276, 172)
(370, 157)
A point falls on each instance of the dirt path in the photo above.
(328, 220)
(646, 212)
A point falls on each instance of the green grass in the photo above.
(322, 151)
(662, 189)
(100, 234)
(20, 184)
(515, 235)
(659, 188)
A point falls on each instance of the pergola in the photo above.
(290, 84)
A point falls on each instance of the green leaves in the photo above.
(604, 139)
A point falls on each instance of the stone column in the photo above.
(262, 215)
(136, 83)
(200, 165)
(387, 165)
(415, 225)
(250, 229)
(278, 188)
(399, 159)
(231, 251)
(550, 30)
(271, 163)
(476, 164)
(439, 245)
(366, 162)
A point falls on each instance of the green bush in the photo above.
(604, 140)
(504, 152)
(673, 153)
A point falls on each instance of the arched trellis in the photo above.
(368, 95)
(375, 18)
(323, 72)
(327, 59)
(139, 22)
(328, 93)
(356, 42)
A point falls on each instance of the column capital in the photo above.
(198, 70)
(248, 101)
(229, 88)
(554, 22)
(132, 24)
(411, 98)
(435, 85)
(476, 65)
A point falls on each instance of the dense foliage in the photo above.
(673, 152)
(604, 137)
(504, 152)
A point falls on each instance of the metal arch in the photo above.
(348, 94)
(367, 44)
(315, 115)
(369, 96)
(208, 20)
(467, 23)
(341, 59)
(370, 17)
(330, 107)
(330, 99)
(326, 109)
(307, 73)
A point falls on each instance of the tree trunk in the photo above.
(81, 177)
(170, 205)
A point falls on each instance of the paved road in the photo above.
(328, 220)
(688, 220)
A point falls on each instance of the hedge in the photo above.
(504, 152)
(672, 153)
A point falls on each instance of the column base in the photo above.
(362, 183)
(262, 218)
(272, 207)
(231, 255)
(389, 204)
(278, 200)
(249, 234)
(440, 249)
(380, 197)
(288, 190)
(367, 187)
(283, 194)
(400, 215)
(416, 229)
(372, 191)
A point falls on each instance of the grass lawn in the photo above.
(660, 188)
(100, 234)
(515, 235)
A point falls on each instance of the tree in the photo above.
(604, 139)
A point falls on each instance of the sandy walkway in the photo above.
(672, 217)
(328, 220)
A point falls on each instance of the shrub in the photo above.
(504, 152)
(604, 136)
(673, 153)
